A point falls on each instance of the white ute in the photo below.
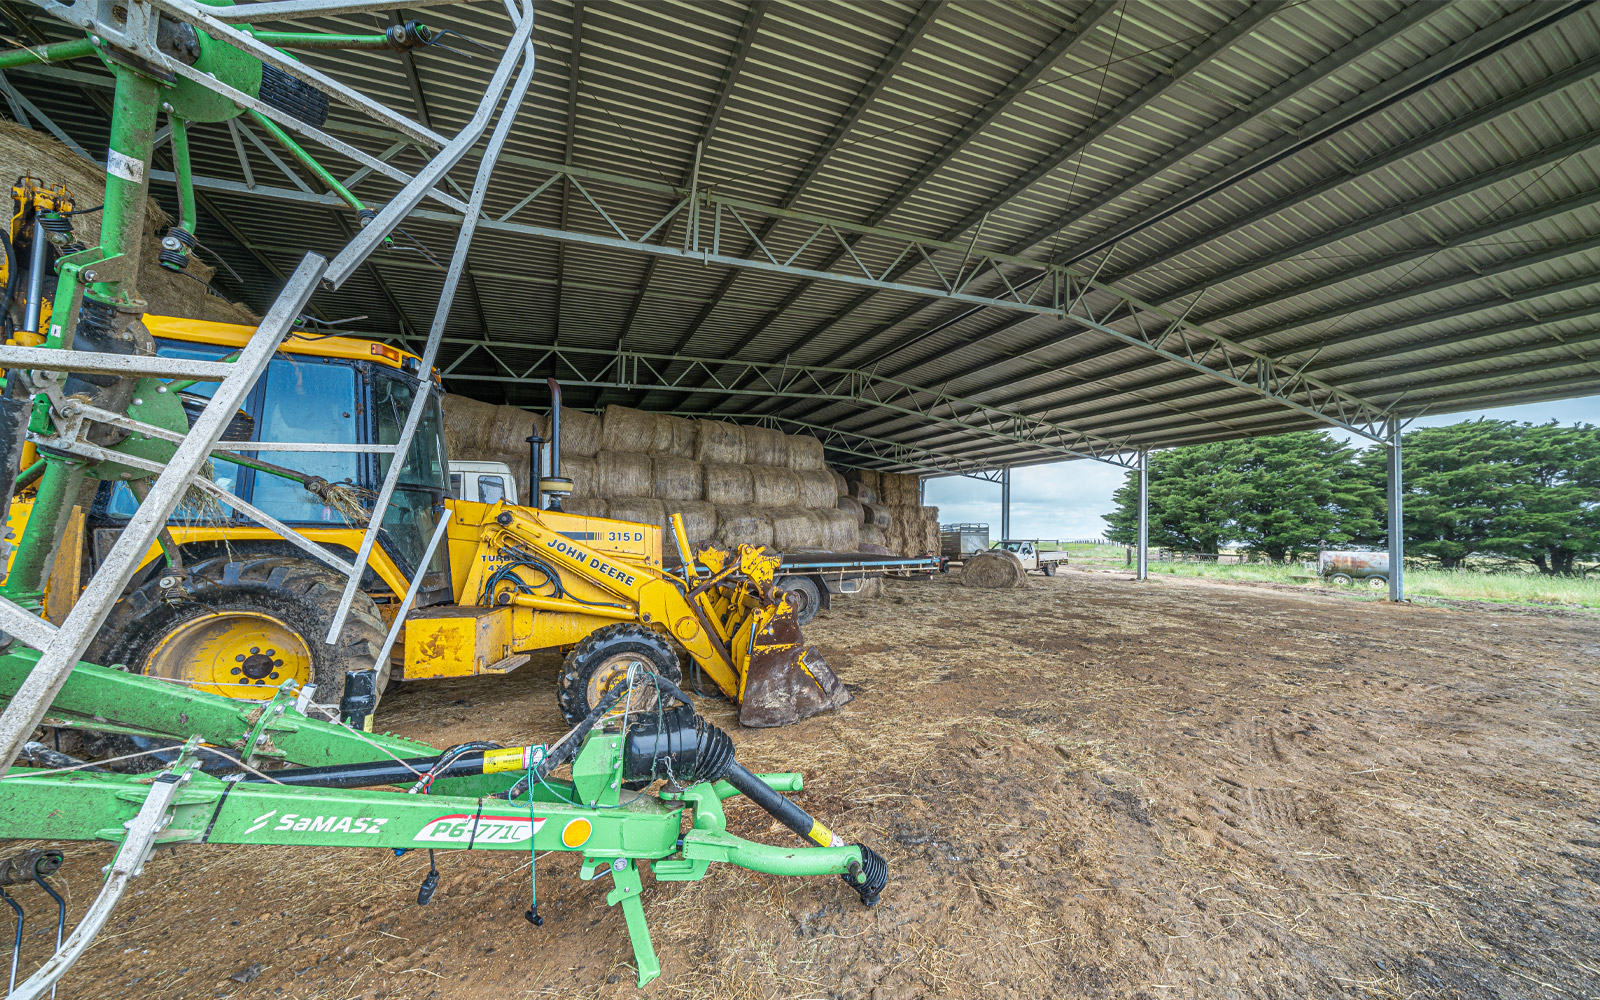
(483, 482)
(1027, 549)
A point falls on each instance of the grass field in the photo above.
(1514, 588)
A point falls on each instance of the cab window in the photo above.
(307, 401)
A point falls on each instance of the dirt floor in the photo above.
(1088, 788)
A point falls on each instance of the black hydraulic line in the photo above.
(365, 774)
(679, 745)
(469, 763)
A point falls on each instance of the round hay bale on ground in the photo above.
(718, 443)
(468, 423)
(839, 484)
(795, 528)
(739, 524)
(994, 569)
(871, 539)
(584, 474)
(699, 520)
(580, 433)
(586, 506)
(638, 510)
(774, 487)
(764, 446)
(805, 453)
(876, 513)
(623, 428)
(622, 474)
(727, 484)
(673, 478)
(851, 506)
(674, 436)
(871, 589)
(841, 530)
(816, 490)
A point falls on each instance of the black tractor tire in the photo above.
(614, 643)
(300, 593)
(804, 596)
(1050, 569)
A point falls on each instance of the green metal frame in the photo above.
(105, 273)
(626, 834)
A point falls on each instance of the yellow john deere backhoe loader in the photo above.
(236, 610)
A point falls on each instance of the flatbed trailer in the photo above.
(813, 579)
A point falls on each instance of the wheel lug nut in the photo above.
(273, 675)
(240, 658)
(236, 670)
(277, 663)
(254, 650)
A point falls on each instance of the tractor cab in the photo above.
(319, 390)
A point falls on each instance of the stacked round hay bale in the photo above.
(732, 484)
(891, 511)
(771, 488)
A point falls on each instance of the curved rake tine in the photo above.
(16, 945)
(61, 915)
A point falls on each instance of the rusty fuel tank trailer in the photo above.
(1347, 567)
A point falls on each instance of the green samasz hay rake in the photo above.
(266, 773)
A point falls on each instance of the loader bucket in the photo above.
(785, 678)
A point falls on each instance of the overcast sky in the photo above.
(1066, 500)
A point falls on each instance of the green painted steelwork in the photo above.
(307, 160)
(77, 48)
(587, 815)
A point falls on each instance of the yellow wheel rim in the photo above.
(613, 672)
(238, 654)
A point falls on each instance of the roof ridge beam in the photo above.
(1548, 157)
(1360, 305)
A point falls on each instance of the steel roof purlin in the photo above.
(949, 237)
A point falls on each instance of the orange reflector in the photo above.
(385, 351)
(576, 832)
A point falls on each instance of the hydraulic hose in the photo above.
(679, 745)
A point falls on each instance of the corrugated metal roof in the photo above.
(1401, 198)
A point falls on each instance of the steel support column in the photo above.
(1142, 571)
(1005, 503)
(1397, 544)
